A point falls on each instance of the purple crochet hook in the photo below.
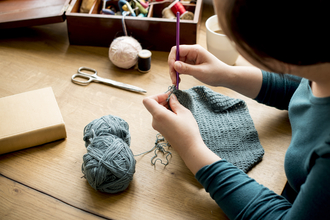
(177, 45)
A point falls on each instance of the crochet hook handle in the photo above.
(177, 45)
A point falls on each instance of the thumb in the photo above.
(176, 105)
(155, 104)
(184, 68)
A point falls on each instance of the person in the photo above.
(288, 43)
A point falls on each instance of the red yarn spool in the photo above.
(178, 7)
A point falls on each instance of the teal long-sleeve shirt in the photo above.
(307, 161)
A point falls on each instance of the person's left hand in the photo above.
(180, 129)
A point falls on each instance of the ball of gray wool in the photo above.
(109, 164)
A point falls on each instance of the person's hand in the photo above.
(178, 126)
(199, 63)
(180, 129)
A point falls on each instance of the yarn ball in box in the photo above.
(109, 164)
(123, 52)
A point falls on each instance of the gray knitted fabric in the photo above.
(225, 125)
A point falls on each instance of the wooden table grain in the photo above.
(46, 182)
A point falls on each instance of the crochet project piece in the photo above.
(225, 125)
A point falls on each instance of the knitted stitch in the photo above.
(225, 125)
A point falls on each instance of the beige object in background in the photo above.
(86, 6)
(29, 119)
(218, 43)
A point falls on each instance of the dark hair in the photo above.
(291, 31)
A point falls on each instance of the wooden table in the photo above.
(45, 182)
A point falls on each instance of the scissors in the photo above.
(94, 77)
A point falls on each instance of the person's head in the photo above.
(289, 31)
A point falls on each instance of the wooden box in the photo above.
(95, 29)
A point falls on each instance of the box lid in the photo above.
(18, 13)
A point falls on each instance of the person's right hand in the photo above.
(199, 63)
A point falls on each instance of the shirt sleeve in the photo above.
(277, 89)
(238, 195)
(241, 197)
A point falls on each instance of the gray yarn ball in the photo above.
(109, 164)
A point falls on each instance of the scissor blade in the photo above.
(121, 85)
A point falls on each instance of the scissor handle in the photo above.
(94, 77)
(81, 74)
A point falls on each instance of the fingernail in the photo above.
(174, 97)
(178, 65)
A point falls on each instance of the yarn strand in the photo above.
(159, 146)
(170, 89)
(123, 22)
(160, 142)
